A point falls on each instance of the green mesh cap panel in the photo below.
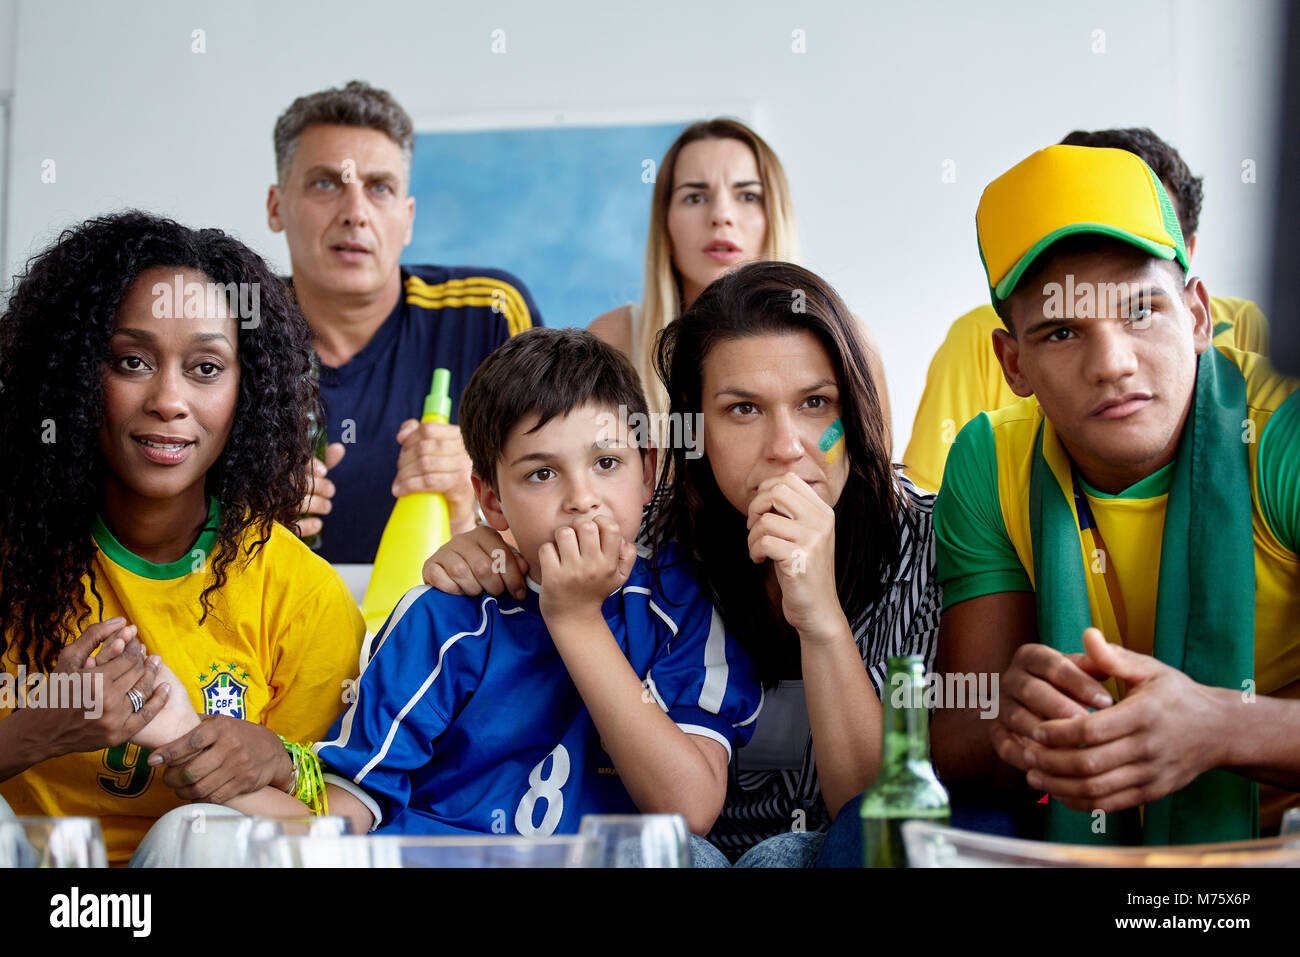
(1169, 216)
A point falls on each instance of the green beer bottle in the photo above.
(906, 788)
(317, 436)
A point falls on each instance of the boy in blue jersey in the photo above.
(611, 687)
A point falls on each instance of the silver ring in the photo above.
(136, 699)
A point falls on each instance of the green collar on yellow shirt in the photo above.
(195, 561)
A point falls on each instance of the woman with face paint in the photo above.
(818, 554)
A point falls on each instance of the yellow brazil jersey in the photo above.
(965, 379)
(1131, 525)
(279, 648)
(983, 541)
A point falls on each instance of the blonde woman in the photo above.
(720, 199)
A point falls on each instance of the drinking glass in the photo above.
(414, 851)
(212, 840)
(638, 840)
(51, 842)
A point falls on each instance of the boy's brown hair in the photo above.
(549, 372)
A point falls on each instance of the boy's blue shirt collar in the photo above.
(532, 598)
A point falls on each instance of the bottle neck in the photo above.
(906, 723)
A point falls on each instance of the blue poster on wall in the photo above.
(565, 209)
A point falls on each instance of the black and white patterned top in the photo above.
(761, 804)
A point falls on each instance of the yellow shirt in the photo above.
(283, 637)
(966, 379)
(1132, 526)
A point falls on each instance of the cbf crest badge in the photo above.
(224, 693)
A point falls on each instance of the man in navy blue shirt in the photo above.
(612, 687)
(343, 159)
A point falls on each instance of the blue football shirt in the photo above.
(447, 316)
(465, 718)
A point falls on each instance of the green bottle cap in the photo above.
(438, 401)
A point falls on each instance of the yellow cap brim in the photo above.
(1066, 190)
(1008, 283)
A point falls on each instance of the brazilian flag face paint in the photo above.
(831, 443)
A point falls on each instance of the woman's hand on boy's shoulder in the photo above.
(582, 567)
(475, 562)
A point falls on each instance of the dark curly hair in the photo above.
(1185, 189)
(54, 344)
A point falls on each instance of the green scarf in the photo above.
(1205, 603)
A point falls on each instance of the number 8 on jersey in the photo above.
(544, 787)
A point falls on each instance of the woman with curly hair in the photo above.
(154, 394)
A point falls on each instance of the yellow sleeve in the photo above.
(315, 647)
(964, 380)
(1250, 329)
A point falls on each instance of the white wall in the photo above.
(8, 40)
(863, 120)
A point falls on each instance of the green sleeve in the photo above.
(974, 553)
(1279, 473)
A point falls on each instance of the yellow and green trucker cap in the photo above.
(1063, 190)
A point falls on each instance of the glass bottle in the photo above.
(907, 787)
(318, 437)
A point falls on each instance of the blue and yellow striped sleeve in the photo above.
(494, 289)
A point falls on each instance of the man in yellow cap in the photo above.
(1123, 544)
(964, 377)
